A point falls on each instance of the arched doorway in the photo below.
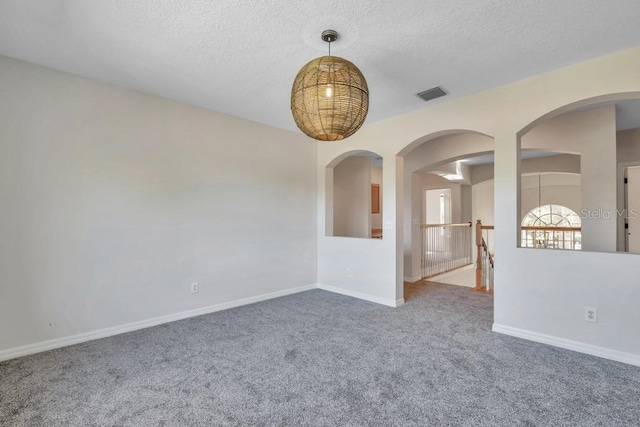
(442, 167)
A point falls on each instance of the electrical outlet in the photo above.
(591, 314)
(348, 272)
(195, 287)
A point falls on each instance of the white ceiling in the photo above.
(241, 57)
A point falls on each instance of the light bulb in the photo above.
(329, 91)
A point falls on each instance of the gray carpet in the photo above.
(322, 359)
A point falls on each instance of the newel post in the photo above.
(479, 254)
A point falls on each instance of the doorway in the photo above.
(632, 209)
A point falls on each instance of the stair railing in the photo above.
(485, 261)
(445, 247)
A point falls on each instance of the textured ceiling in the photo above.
(241, 57)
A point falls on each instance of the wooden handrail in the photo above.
(463, 224)
(486, 249)
(533, 228)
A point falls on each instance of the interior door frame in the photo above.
(622, 235)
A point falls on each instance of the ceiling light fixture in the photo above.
(329, 97)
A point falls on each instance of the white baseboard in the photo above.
(115, 330)
(594, 350)
(412, 279)
(359, 295)
(39, 347)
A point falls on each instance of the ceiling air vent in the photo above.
(433, 93)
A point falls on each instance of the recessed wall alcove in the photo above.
(354, 196)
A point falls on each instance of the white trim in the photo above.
(594, 350)
(412, 279)
(621, 194)
(366, 297)
(116, 330)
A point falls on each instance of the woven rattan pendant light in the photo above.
(330, 97)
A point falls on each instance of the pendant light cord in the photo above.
(539, 190)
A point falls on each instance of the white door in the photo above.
(633, 209)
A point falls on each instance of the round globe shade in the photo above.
(329, 99)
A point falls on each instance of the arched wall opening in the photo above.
(438, 162)
(354, 188)
(591, 129)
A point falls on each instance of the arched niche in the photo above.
(590, 129)
(354, 191)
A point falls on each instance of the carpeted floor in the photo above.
(322, 359)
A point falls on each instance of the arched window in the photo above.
(552, 226)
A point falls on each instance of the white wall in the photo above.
(563, 163)
(628, 145)
(555, 188)
(560, 177)
(483, 210)
(112, 202)
(547, 306)
(433, 212)
(352, 197)
(466, 195)
(482, 202)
